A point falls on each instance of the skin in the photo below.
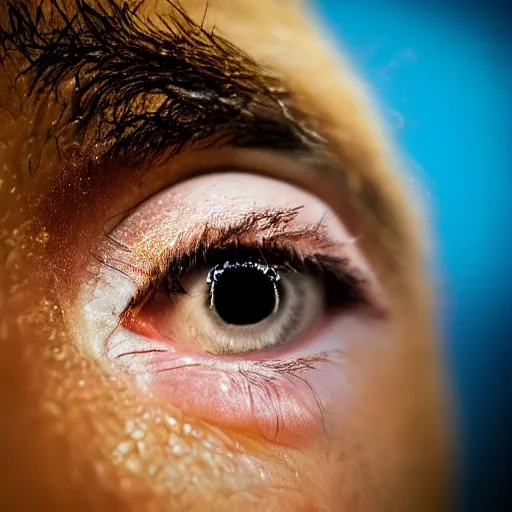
(73, 437)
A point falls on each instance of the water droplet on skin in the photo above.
(58, 354)
(177, 449)
(129, 427)
(141, 447)
(138, 434)
(42, 237)
(123, 448)
(175, 445)
(132, 465)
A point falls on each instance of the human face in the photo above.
(211, 281)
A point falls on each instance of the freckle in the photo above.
(126, 484)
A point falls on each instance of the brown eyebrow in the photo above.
(145, 92)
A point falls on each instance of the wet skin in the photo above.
(127, 130)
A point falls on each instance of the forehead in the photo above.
(198, 9)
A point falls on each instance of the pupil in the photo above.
(243, 296)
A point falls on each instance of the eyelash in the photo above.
(343, 287)
(286, 258)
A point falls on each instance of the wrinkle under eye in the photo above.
(252, 345)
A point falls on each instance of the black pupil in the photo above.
(243, 296)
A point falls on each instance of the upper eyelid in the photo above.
(329, 254)
(271, 226)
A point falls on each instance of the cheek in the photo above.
(248, 396)
(79, 439)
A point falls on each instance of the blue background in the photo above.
(442, 73)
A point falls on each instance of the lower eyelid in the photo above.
(275, 400)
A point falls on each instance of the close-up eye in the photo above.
(242, 263)
(234, 297)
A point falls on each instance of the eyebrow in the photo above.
(145, 90)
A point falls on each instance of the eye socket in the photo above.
(233, 297)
